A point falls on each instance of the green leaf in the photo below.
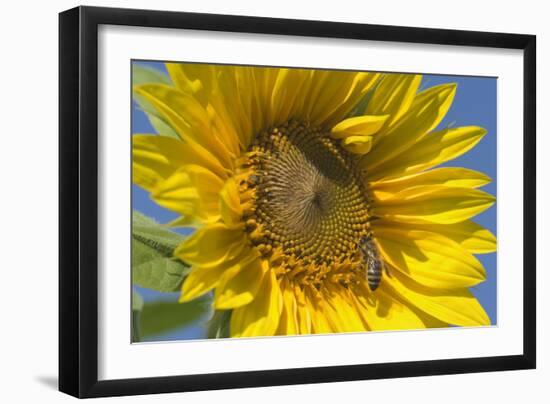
(218, 326)
(156, 272)
(161, 317)
(153, 265)
(142, 75)
(146, 228)
(137, 301)
(137, 306)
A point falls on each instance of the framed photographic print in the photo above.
(250, 201)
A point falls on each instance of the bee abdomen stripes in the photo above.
(373, 279)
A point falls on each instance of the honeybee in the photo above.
(372, 260)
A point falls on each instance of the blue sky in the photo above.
(474, 104)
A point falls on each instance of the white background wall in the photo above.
(28, 175)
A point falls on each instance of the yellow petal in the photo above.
(362, 83)
(393, 96)
(192, 190)
(448, 176)
(436, 99)
(211, 245)
(193, 78)
(334, 93)
(250, 118)
(190, 119)
(428, 258)
(427, 110)
(383, 311)
(149, 164)
(457, 306)
(434, 204)
(264, 79)
(229, 106)
(325, 87)
(357, 144)
(287, 87)
(199, 282)
(302, 311)
(288, 323)
(230, 203)
(182, 110)
(215, 88)
(358, 125)
(261, 316)
(203, 279)
(240, 288)
(319, 320)
(340, 312)
(155, 158)
(471, 236)
(432, 150)
(185, 221)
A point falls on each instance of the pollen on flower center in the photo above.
(309, 201)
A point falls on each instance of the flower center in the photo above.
(309, 203)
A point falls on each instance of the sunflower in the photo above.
(315, 199)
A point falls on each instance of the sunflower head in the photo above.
(309, 202)
(315, 199)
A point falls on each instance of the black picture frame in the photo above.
(78, 196)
